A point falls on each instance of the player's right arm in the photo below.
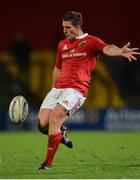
(55, 77)
(125, 51)
(57, 68)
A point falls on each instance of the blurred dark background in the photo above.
(29, 34)
(113, 21)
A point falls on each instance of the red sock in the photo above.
(53, 143)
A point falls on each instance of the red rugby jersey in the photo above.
(77, 60)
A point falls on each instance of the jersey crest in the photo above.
(82, 43)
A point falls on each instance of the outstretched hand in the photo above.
(129, 53)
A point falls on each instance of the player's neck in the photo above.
(79, 34)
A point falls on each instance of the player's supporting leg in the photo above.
(56, 119)
(65, 140)
(43, 126)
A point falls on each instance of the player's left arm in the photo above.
(125, 51)
(55, 77)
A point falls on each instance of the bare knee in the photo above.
(43, 120)
(56, 119)
(58, 113)
(57, 116)
(43, 129)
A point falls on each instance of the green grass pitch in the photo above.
(95, 155)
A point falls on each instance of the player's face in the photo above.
(70, 30)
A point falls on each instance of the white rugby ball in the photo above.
(18, 109)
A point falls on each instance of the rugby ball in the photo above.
(18, 109)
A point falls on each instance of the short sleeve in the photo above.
(58, 62)
(99, 44)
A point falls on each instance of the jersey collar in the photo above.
(80, 37)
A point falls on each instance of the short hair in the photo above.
(74, 17)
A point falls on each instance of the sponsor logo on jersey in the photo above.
(82, 43)
(78, 54)
(72, 50)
